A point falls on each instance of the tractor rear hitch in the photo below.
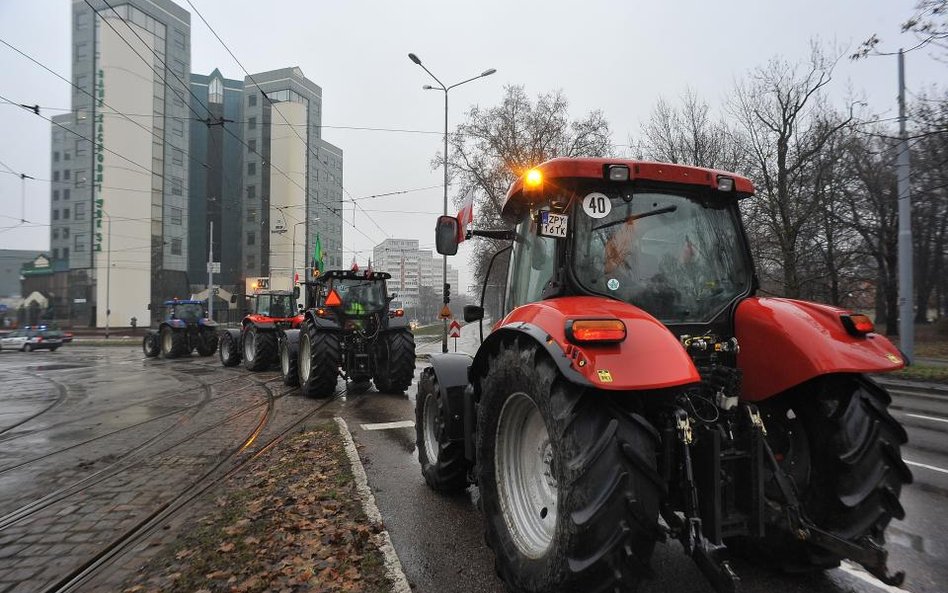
(869, 554)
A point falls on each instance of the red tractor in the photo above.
(260, 331)
(635, 375)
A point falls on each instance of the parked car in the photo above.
(32, 338)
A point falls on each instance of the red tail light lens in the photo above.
(858, 324)
(595, 330)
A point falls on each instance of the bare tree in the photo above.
(786, 125)
(687, 134)
(495, 145)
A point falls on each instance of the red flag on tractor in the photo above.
(465, 215)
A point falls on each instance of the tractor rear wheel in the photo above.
(394, 363)
(289, 348)
(442, 461)
(229, 349)
(319, 359)
(207, 343)
(260, 348)
(174, 343)
(150, 345)
(567, 477)
(845, 460)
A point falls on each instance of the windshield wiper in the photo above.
(635, 217)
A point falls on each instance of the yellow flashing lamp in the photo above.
(533, 179)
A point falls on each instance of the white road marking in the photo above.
(926, 466)
(932, 418)
(388, 425)
(859, 573)
(393, 567)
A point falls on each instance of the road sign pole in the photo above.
(210, 273)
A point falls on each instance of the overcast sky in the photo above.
(618, 56)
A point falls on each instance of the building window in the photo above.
(55, 214)
(66, 253)
(251, 215)
(55, 234)
(176, 186)
(251, 168)
(55, 252)
(251, 192)
(55, 175)
(65, 174)
(80, 243)
(66, 155)
(177, 127)
(56, 194)
(176, 215)
(252, 145)
(251, 261)
(251, 238)
(252, 123)
(65, 232)
(176, 247)
(177, 156)
(79, 179)
(66, 194)
(80, 213)
(56, 156)
(215, 91)
(65, 213)
(252, 100)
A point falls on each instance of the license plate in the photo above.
(553, 225)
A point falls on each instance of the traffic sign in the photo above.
(214, 267)
(445, 313)
(454, 330)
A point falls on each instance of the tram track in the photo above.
(211, 478)
(62, 393)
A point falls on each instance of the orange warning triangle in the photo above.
(445, 313)
(332, 299)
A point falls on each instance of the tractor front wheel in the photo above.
(289, 347)
(150, 345)
(260, 348)
(229, 349)
(835, 438)
(319, 359)
(394, 363)
(442, 461)
(567, 477)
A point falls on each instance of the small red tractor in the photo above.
(635, 375)
(350, 330)
(256, 342)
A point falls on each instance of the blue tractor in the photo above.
(184, 328)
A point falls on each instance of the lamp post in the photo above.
(108, 273)
(441, 87)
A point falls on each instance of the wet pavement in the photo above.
(101, 449)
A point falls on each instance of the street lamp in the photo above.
(441, 87)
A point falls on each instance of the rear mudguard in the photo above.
(650, 357)
(452, 372)
(786, 342)
(234, 333)
(323, 323)
(396, 323)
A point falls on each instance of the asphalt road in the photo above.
(94, 439)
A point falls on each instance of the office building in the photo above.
(119, 194)
(411, 269)
(292, 179)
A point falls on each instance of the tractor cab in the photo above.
(188, 311)
(351, 294)
(276, 304)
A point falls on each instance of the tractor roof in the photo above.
(355, 275)
(600, 168)
(183, 302)
(273, 293)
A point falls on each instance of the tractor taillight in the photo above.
(398, 313)
(595, 330)
(857, 324)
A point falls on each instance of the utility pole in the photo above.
(906, 286)
(210, 273)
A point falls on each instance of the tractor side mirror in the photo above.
(473, 313)
(300, 307)
(233, 299)
(446, 235)
(149, 306)
(296, 292)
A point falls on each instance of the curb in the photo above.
(393, 567)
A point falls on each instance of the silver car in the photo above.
(28, 339)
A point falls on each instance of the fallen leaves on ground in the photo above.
(292, 522)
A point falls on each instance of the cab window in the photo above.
(531, 265)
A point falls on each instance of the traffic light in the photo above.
(447, 292)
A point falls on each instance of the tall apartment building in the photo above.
(292, 179)
(411, 269)
(214, 188)
(120, 156)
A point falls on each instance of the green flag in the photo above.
(317, 257)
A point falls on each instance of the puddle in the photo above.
(56, 367)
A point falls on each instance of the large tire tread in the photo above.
(265, 349)
(609, 495)
(395, 374)
(289, 346)
(229, 349)
(450, 473)
(325, 358)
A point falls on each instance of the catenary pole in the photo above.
(906, 297)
